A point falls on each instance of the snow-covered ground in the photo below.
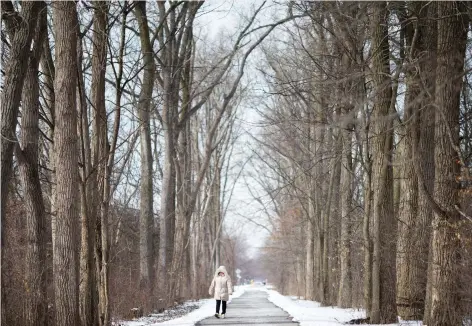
(310, 313)
(307, 313)
(206, 308)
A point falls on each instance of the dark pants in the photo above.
(218, 302)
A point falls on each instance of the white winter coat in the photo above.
(222, 285)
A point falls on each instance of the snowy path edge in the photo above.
(311, 313)
(207, 309)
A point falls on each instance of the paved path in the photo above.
(254, 309)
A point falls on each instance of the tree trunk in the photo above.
(383, 263)
(327, 186)
(335, 214)
(367, 239)
(319, 137)
(406, 290)
(185, 201)
(426, 147)
(146, 223)
(414, 232)
(452, 39)
(180, 169)
(87, 287)
(345, 284)
(168, 183)
(216, 213)
(101, 152)
(21, 33)
(48, 74)
(28, 161)
(311, 228)
(65, 141)
(328, 211)
(309, 276)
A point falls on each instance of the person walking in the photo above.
(223, 288)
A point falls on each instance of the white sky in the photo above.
(224, 17)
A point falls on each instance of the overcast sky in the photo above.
(222, 17)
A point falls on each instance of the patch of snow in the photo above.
(310, 313)
(205, 309)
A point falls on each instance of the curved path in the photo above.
(252, 308)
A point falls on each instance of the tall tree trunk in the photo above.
(367, 239)
(198, 248)
(309, 276)
(345, 284)
(333, 185)
(146, 224)
(87, 286)
(383, 263)
(216, 214)
(186, 196)
(452, 39)
(169, 174)
(49, 189)
(426, 146)
(48, 74)
(101, 152)
(171, 79)
(65, 141)
(335, 214)
(167, 200)
(327, 185)
(364, 144)
(28, 161)
(309, 260)
(186, 203)
(319, 139)
(406, 290)
(20, 27)
(414, 232)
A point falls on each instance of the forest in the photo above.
(132, 130)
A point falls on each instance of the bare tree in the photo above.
(27, 156)
(144, 107)
(383, 260)
(20, 27)
(65, 150)
(415, 212)
(452, 39)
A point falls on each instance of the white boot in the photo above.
(223, 316)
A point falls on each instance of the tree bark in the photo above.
(101, 152)
(335, 212)
(20, 27)
(426, 144)
(384, 233)
(65, 141)
(325, 209)
(309, 262)
(407, 292)
(88, 298)
(311, 218)
(452, 40)
(48, 73)
(169, 115)
(414, 231)
(185, 202)
(367, 239)
(28, 161)
(146, 223)
(345, 284)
